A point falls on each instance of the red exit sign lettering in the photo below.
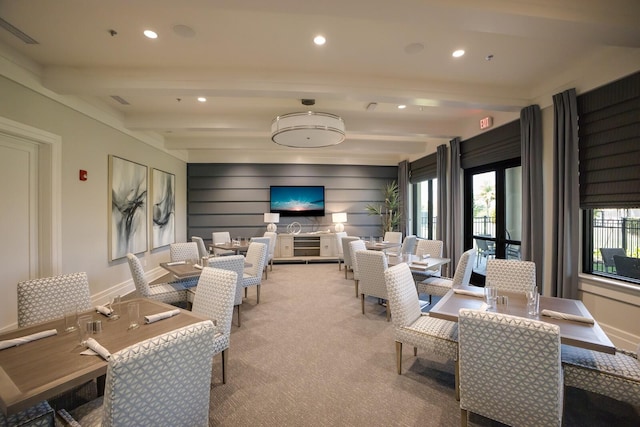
(486, 122)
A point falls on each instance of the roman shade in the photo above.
(494, 146)
(423, 169)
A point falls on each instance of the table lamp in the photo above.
(271, 219)
(339, 218)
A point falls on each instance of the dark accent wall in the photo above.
(234, 197)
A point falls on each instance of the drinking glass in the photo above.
(85, 328)
(70, 319)
(115, 308)
(133, 309)
(533, 302)
(491, 296)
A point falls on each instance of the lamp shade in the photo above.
(270, 217)
(339, 218)
(307, 130)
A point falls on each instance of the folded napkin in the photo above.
(421, 262)
(164, 315)
(104, 310)
(425, 256)
(477, 294)
(566, 316)
(176, 262)
(95, 346)
(27, 338)
(198, 266)
(417, 266)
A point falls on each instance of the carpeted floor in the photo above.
(306, 356)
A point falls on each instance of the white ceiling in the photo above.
(255, 59)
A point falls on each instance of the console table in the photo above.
(306, 247)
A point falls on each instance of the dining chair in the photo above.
(510, 369)
(486, 249)
(413, 327)
(231, 263)
(607, 257)
(265, 241)
(408, 247)
(273, 236)
(393, 237)
(614, 375)
(220, 237)
(346, 254)
(371, 268)
(170, 293)
(431, 248)
(339, 249)
(439, 286)
(355, 246)
(214, 300)
(202, 249)
(511, 275)
(252, 276)
(161, 381)
(184, 251)
(49, 298)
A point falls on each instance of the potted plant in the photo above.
(389, 212)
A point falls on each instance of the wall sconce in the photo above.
(339, 219)
(271, 219)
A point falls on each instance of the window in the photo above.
(425, 196)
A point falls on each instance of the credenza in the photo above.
(306, 247)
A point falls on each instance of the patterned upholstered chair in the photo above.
(439, 286)
(265, 241)
(393, 237)
(221, 237)
(40, 300)
(273, 240)
(346, 254)
(510, 369)
(413, 327)
(408, 246)
(164, 380)
(371, 266)
(232, 263)
(339, 249)
(40, 415)
(184, 251)
(616, 376)
(170, 293)
(511, 275)
(202, 248)
(355, 246)
(214, 300)
(431, 248)
(252, 276)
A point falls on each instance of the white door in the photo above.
(18, 220)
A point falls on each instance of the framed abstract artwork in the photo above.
(163, 199)
(127, 207)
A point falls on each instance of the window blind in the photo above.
(494, 146)
(423, 169)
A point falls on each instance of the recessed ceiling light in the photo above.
(413, 48)
(319, 40)
(202, 99)
(457, 53)
(150, 34)
(402, 107)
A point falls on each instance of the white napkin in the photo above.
(566, 316)
(417, 266)
(425, 256)
(477, 294)
(27, 338)
(164, 315)
(104, 310)
(97, 348)
(198, 266)
(176, 262)
(421, 262)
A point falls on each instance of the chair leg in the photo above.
(266, 273)
(399, 357)
(339, 266)
(245, 292)
(224, 365)
(271, 264)
(356, 283)
(362, 302)
(258, 294)
(463, 417)
(345, 270)
(238, 306)
(415, 351)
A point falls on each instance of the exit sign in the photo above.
(486, 122)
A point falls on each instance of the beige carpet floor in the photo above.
(306, 356)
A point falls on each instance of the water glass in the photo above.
(133, 309)
(70, 319)
(85, 328)
(115, 308)
(533, 302)
(491, 296)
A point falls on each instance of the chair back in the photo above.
(215, 297)
(402, 295)
(202, 249)
(162, 381)
(219, 237)
(231, 263)
(510, 368)
(431, 248)
(346, 249)
(408, 245)
(137, 274)
(371, 267)
(355, 246)
(48, 298)
(511, 275)
(339, 249)
(184, 251)
(393, 237)
(627, 266)
(464, 268)
(257, 257)
(273, 238)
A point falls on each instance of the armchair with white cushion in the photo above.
(273, 236)
(202, 249)
(346, 254)
(221, 237)
(439, 286)
(232, 263)
(371, 266)
(339, 249)
(511, 275)
(256, 256)
(353, 247)
(169, 293)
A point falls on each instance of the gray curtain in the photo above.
(441, 222)
(454, 240)
(566, 208)
(403, 189)
(532, 201)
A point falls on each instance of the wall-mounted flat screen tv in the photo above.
(298, 200)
